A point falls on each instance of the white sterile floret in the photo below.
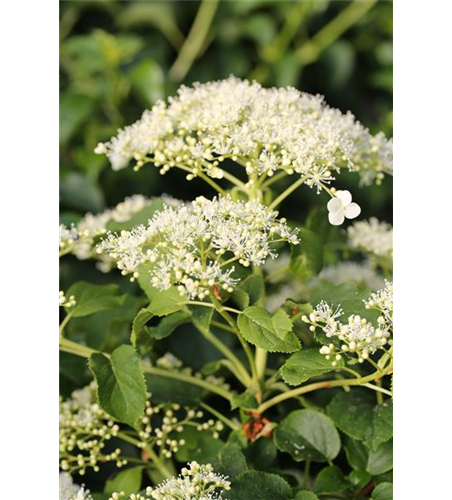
(341, 207)
(264, 130)
(357, 336)
(372, 236)
(196, 482)
(71, 491)
(193, 246)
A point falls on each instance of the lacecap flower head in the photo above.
(264, 130)
(194, 247)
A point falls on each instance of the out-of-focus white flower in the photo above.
(193, 247)
(341, 207)
(362, 273)
(263, 130)
(71, 491)
(372, 236)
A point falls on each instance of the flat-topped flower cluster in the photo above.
(71, 491)
(357, 336)
(372, 236)
(194, 246)
(264, 130)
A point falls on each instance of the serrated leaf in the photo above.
(164, 302)
(308, 435)
(121, 388)
(306, 495)
(201, 317)
(230, 461)
(330, 480)
(128, 481)
(356, 414)
(305, 364)
(374, 462)
(93, 298)
(258, 485)
(272, 333)
(358, 479)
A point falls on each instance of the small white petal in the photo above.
(336, 218)
(351, 211)
(345, 197)
(334, 205)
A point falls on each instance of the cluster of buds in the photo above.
(67, 301)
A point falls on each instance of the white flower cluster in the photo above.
(67, 301)
(363, 273)
(196, 482)
(193, 246)
(372, 236)
(264, 130)
(71, 491)
(357, 336)
(80, 239)
(84, 430)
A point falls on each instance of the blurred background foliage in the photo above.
(118, 57)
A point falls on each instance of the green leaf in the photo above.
(230, 461)
(93, 298)
(121, 388)
(248, 292)
(374, 462)
(166, 390)
(306, 259)
(308, 435)
(79, 192)
(201, 317)
(261, 453)
(245, 400)
(200, 446)
(383, 491)
(148, 80)
(164, 302)
(272, 333)
(330, 480)
(305, 364)
(358, 479)
(168, 324)
(356, 414)
(257, 485)
(75, 109)
(349, 296)
(306, 495)
(128, 481)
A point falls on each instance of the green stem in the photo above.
(315, 386)
(287, 192)
(223, 312)
(311, 50)
(150, 451)
(379, 391)
(195, 40)
(222, 326)
(232, 425)
(207, 179)
(261, 354)
(64, 323)
(306, 478)
(237, 367)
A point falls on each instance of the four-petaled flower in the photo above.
(341, 207)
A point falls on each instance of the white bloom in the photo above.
(264, 130)
(372, 236)
(357, 336)
(71, 491)
(362, 273)
(193, 246)
(341, 207)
